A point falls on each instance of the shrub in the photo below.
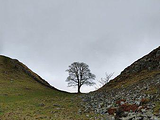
(111, 111)
(128, 107)
(144, 101)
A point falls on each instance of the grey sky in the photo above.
(48, 35)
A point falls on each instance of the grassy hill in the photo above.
(26, 96)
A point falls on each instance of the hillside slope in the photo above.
(13, 72)
(147, 66)
(26, 96)
(134, 94)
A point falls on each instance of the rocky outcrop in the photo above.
(149, 62)
(133, 95)
(125, 103)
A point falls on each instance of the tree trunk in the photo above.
(79, 89)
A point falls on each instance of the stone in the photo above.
(137, 102)
(122, 103)
(158, 53)
(79, 112)
(87, 115)
(143, 110)
(155, 118)
(56, 105)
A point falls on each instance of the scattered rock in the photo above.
(56, 105)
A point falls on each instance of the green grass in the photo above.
(23, 98)
(47, 105)
(157, 108)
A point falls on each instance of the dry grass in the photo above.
(123, 82)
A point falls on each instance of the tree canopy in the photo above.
(79, 74)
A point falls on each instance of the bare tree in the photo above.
(104, 80)
(79, 74)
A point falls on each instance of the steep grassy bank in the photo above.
(26, 96)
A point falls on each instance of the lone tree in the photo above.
(79, 74)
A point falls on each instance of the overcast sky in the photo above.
(49, 35)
